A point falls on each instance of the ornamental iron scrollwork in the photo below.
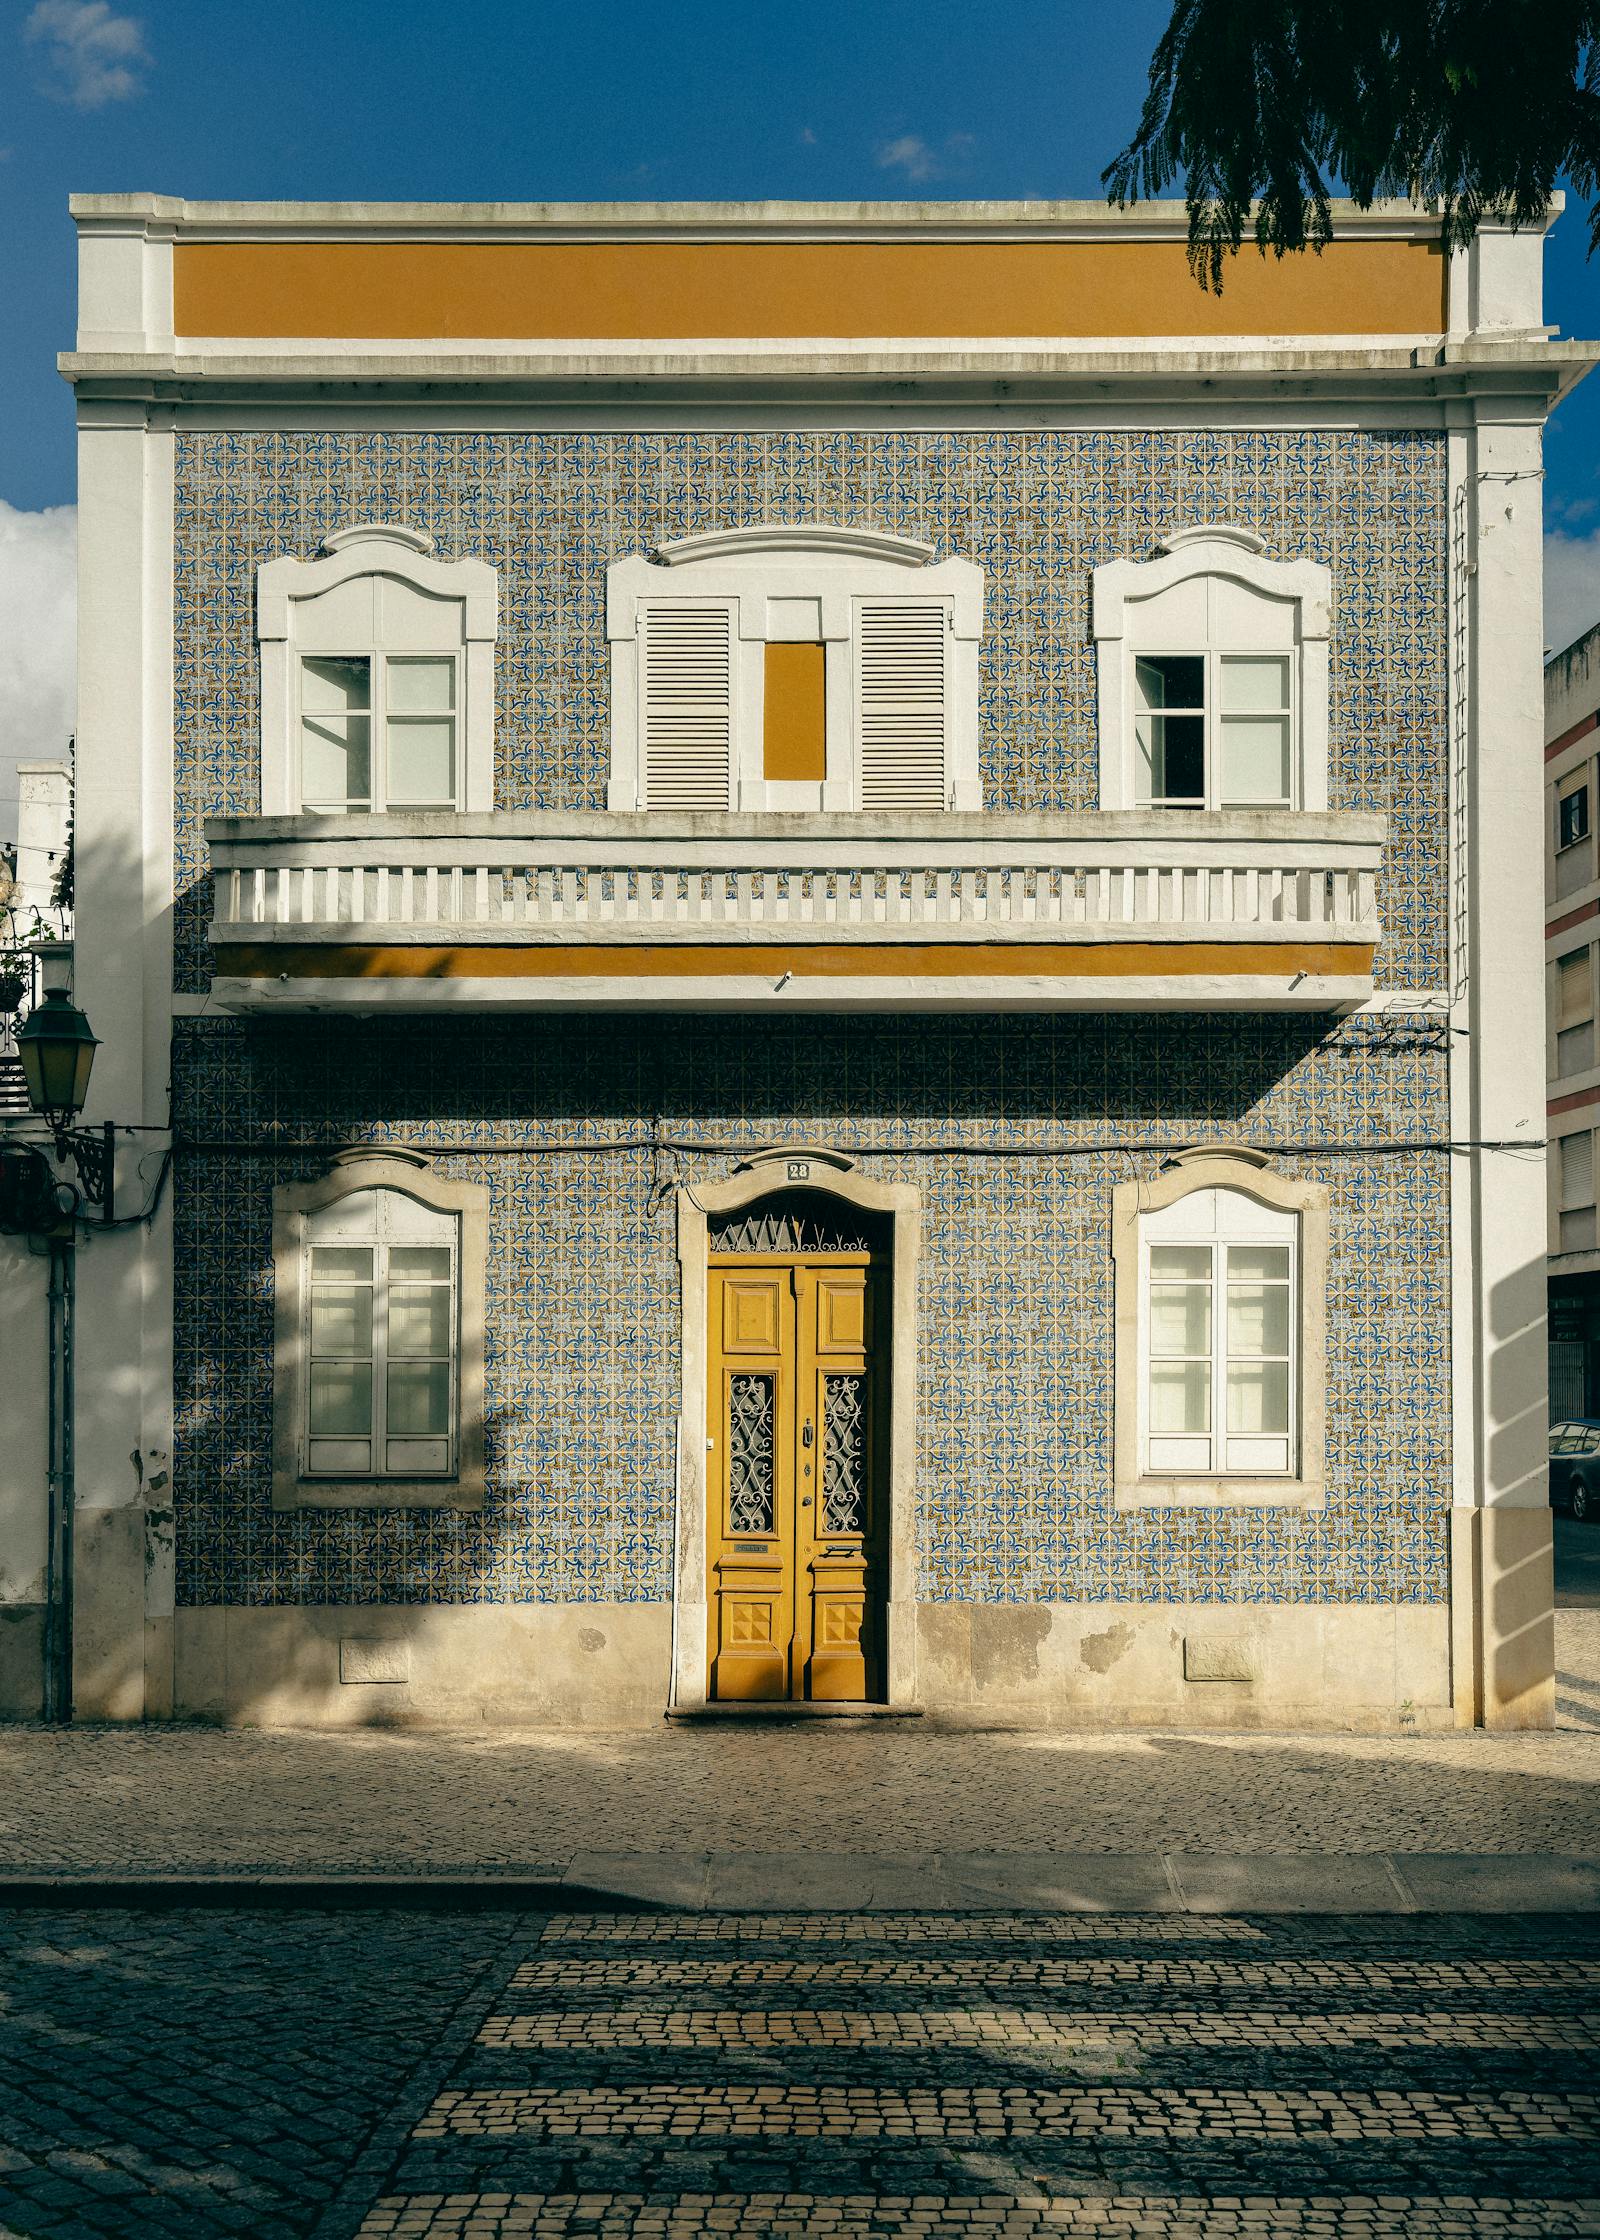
(844, 1483)
(752, 1503)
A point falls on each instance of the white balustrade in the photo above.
(608, 878)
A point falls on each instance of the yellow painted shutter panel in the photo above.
(903, 705)
(687, 672)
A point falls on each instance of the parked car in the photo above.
(1575, 1466)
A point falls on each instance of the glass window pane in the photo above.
(1180, 1318)
(1170, 680)
(421, 688)
(422, 759)
(1258, 1263)
(347, 1260)
(420, 1263)
(335, 684)
(1258, 1318)
(1255, 758)
(335, 759)
(419, 1319)
(1180, 1396)
(1255, 686)
(341, 1399)
(341, 1318)
(419, 1399)
(1258, 1396)
(1186, 1262)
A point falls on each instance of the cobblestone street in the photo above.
(422, 2077)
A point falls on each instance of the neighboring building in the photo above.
(44, 831)
(1572, 922)
(841, 907)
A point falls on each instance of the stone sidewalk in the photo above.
(843, 1814)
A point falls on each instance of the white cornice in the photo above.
(174, 217)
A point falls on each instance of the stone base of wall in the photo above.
(606, 1664)
(1330, 1665)
(509, 1664)
(21, 1660)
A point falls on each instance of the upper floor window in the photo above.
(379, 1271)
(1213, 677)
(794, 668)
(377, 677)
(1572, 813)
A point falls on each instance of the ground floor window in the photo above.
(1220, 1313)
(378, 1384)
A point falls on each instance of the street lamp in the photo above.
(56, 1047)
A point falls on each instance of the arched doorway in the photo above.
(795, 1552)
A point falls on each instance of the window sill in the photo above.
(1220, 1493)
(377, 1493)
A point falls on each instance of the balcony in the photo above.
(1260, 910)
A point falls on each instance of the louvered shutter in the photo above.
(686, 669)
(903, 703)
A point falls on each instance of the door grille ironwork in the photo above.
(844, 1477)
(751, 1491)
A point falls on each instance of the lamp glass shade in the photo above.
(57, 1050)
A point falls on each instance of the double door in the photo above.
(795, 1492)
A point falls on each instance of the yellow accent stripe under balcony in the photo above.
(876, 960)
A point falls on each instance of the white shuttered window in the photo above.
(687, 685)
(902, 702)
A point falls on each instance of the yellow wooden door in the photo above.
(795, 1480)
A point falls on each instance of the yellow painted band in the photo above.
(858, 960)
(684, 290)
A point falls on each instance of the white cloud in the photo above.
(1571, 587)
(38, 639)
(92, 56)
(920, 161)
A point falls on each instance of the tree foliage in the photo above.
(1263, 107)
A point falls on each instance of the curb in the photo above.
(1491, 1883)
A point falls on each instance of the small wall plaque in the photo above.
(386, 1663)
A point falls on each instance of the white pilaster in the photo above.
(1501, 1566)
(123, 1576)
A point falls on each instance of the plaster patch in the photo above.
(1100, 1651)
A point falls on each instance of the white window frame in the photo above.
(1128, 626)
(296, 1207)
(454, 613)
(1298, 1213)
(754, 574)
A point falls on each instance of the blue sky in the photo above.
(494, 100)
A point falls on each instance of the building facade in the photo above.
(836, 904)
(1572, 896)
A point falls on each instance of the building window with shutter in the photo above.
(1212, 671)
(799, 668)
(378, 1400)
(1575, 1196)
(1575, 1012)
(1220, 1373)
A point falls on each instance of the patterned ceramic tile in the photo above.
(1014, 1130)
(1038, 511)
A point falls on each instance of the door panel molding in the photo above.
(835, 1661)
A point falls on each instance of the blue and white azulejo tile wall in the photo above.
(1004, 1125)
(1014, 1383)
(1037, 511)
